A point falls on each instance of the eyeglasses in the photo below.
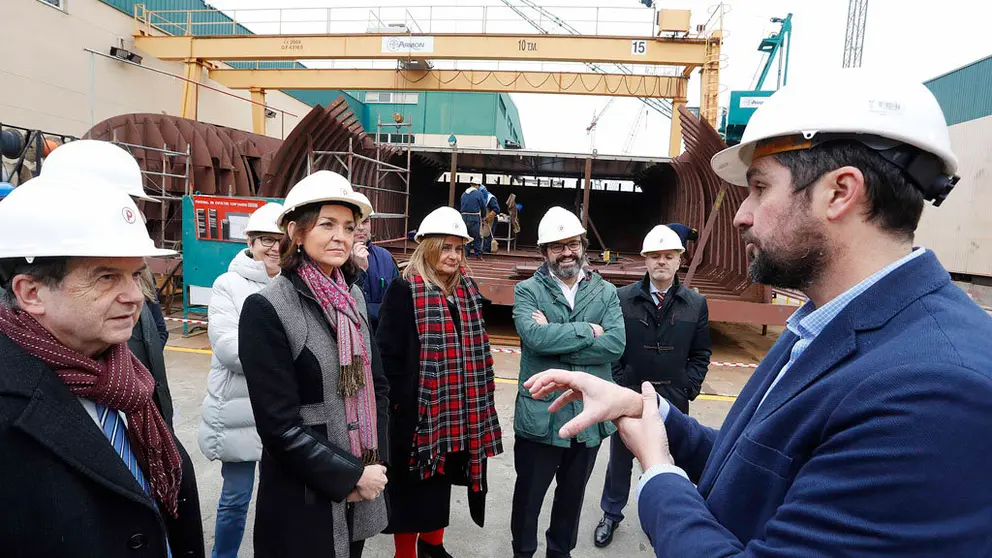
(558, 247)
(268, 241)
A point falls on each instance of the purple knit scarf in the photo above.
(355, 384)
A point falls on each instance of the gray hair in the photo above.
(49, 271)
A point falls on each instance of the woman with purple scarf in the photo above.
(316, 384)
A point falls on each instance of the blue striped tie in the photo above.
(116, 431)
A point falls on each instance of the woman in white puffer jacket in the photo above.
(227, 424)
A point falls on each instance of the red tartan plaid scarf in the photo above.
(355, 383)
(119, 381)
(456, 396)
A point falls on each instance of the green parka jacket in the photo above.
(565, 342)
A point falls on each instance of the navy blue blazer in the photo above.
(876, 442)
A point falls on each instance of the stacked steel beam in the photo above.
(329, 130)
(221, 161)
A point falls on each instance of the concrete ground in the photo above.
(188, 362)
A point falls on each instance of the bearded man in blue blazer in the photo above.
(866, 429)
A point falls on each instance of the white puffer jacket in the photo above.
(227, 424)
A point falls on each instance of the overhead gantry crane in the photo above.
(200, 53)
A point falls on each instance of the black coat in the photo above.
(415, 505)
(64, 490)
(300, 472)
(146, 343)
(669, 347)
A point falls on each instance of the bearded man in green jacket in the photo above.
(569, 317)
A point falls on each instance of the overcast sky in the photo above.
(919, 39)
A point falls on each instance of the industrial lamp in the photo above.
(125, 54)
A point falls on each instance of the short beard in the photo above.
(570, 271)
(795, 265)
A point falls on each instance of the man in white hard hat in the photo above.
(668, 345)
(110, 163)
(90, 464)
(865, 430)
(566, 315)
(80, 163)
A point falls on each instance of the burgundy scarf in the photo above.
(457, 384)
(119, 381)
(355, 384)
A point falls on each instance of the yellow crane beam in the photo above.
(617, 85)
(666, 51)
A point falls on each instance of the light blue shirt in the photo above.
(806, 323)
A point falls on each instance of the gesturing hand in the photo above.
(360, 255)
(601, 400)
(646, 436)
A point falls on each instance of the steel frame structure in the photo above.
(200, 52)
(348, 158)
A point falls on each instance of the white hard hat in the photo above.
(77, 162)
(322, 186)
(558, 224)
(49, 218)
(661, 238)
(888, 111)
(263, 219)
(445, 221)
(362, 198)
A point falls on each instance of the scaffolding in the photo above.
(157, 182)
(382, 171)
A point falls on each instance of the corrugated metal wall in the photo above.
(965, 93)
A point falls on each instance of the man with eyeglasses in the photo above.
(569, 317)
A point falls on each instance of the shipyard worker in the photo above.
(489, 222)
(436, 354)
(376, 265)
(567, 316)
(685, 232)
(89, 466)
(668, 344)
(865, 430)
(79, 161)
(472, 205)
(227, 425)
(316, 385)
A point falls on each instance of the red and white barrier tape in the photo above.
(512, 350)
(197, 322)
(734, 364)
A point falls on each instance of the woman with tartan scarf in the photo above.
(316, 384)
(436, 353)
